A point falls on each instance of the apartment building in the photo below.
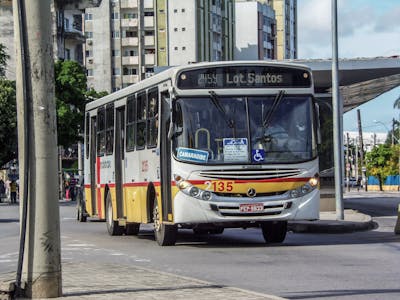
(286, 27)
(255, 31)
(126, 39)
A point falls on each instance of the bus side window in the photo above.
(141, 121)
(152, 119)
(101, 140)
(130, 123)
(87, 136)
(109, 129)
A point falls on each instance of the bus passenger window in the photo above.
(152, 119)
(109, 129)
(130, 124)
(101, 141)
(141, 122)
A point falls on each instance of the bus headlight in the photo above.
(193, 191)
(311, 185)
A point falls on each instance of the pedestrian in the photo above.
(13, 191)
(72, 187)
(2, 189)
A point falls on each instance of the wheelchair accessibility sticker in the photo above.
(257, 155)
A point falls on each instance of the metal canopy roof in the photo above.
(360, 79)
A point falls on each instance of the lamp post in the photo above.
(393, 138)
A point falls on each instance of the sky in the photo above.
(366, 28)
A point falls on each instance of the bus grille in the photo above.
(249, 174)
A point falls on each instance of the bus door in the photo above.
(165, 159)
(93, 157)
(119, 159)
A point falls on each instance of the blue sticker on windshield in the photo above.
(257, 155)
(193, 155)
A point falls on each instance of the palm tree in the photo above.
(396, 103)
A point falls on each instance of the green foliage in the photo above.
(382, 161)
(3, 60)
(8, 121)
(71, 98)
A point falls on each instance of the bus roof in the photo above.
(171, 72)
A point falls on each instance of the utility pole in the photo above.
(337, 106)
(360, 135)
(39, 263)
(347, 162)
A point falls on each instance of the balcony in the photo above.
(130, 41)
(149, 59)
(129, 3)
(130, 60)
(149, 40)
(149, 21)
(129, 22)
(130, 79)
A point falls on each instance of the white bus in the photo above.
(205, 147)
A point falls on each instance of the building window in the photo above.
(183, 48)
(115, 16)
(89, 53)
(175, 10)
(88, 17)
(175, 48)
(116, 71)
(89, 72)
(115, 53)
(89, 34)
(175, 29)
(183, 10)
(183, 29)
(115, 34)
(67, 54)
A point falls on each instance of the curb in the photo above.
(331, 226)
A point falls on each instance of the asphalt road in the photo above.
(361, 265)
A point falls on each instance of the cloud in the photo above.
(365, 28)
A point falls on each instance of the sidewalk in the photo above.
(97, 281)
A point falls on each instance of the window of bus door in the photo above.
(229, 130)
(130, 123)
(109, 129)
(152, 118)
(101, 139)
(141, 121)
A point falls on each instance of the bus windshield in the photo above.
(244, 130)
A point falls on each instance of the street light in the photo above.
(397, 140)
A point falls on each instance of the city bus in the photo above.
(205, 146)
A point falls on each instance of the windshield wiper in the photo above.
(215, 101)
(277, 100)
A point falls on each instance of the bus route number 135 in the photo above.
(219, 186)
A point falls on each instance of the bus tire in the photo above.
(113, 227)
(164, 234)
(132, 229)
(274, 231)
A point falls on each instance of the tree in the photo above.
(71, 98)
(3, 60)
(8, 119)
(396, 103)
(382, 162)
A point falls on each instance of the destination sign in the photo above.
(244, 77)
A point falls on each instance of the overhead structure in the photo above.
(360, 79)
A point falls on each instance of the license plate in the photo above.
(250, 208)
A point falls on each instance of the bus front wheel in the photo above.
(164, 234)
(112, 226)
(274, 231)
